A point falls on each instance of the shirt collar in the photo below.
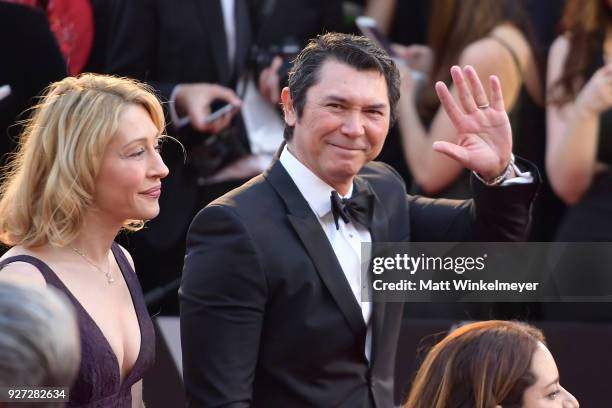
(316, 192)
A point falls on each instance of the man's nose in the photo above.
(353, 125)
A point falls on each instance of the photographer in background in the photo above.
(271, 66)
(194, 53)
(282, 29)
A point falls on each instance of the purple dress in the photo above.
(98, 382)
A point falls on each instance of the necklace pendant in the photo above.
(107, 273)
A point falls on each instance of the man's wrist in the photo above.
(508, 172)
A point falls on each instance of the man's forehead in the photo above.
(333, 67)
(338, 80)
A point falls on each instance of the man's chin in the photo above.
(345, 174)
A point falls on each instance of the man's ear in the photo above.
(289, 112)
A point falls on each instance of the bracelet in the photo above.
(501, 178)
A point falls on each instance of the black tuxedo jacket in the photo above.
(267, 316)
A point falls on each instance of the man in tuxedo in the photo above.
(271, 312)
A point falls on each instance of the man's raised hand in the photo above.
(485, 136)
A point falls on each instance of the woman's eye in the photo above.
(553, 394)
(158, 148)
(138, 153)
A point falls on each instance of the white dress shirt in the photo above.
(346, 241)
(228, 9)
(249, 165)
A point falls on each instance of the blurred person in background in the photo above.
(490, 364)
(31, 59)
(72, 23)
(88, 166)
(280, 30)
(39, 339)
(194, 54)
(407, 23)
(492, 36)
(403, 22)
(579, 154)
(579, 147)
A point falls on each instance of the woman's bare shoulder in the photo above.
(21, 272)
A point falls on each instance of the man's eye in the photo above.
(334, 105)
(374, 112)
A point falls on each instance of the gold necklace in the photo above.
(107, 273)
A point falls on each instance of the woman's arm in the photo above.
(434, 171)
(382, 11)
(573, 128)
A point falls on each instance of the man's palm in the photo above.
(485, 135)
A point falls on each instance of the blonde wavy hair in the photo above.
(48, 186)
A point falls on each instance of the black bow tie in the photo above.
(358, 208)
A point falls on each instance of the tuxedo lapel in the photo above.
(212, 18)
(316, 244)
(379, 233)
(378, 229)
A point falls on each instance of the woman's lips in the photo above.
(154, 192)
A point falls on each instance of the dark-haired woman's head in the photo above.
(490, 364)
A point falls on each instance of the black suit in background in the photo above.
(275, 20)
(166, 43)
(267, 316)
(30, 60)
(103, 12)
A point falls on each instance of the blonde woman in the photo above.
(88, 166)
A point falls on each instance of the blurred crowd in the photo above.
(554, 60)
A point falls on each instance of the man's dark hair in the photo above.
(355, 51)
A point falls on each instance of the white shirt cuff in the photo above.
(521, 177)
(176, 120)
